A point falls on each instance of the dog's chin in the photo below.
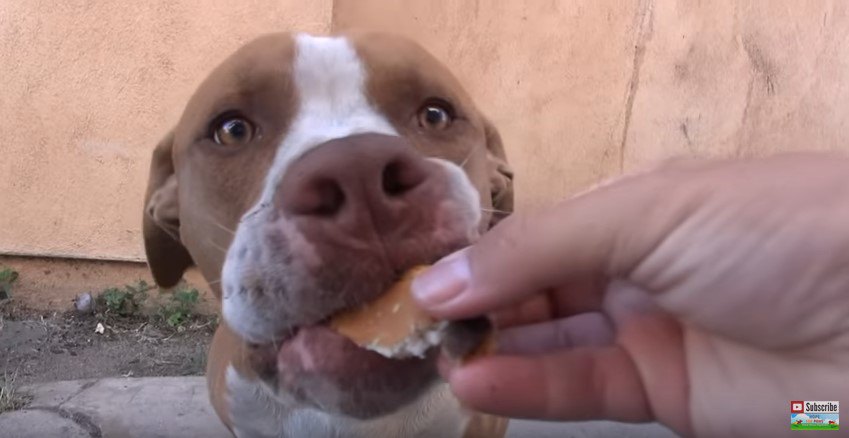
(325, 370)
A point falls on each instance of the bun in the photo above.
(395, 327)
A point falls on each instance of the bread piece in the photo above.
(395, 327)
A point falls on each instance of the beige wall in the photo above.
(581, 90)
(586, 89)
(88, 89)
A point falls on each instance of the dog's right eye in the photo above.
(436, 115)
(234, 131)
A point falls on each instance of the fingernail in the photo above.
(443, 281)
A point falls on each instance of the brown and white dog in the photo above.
(305, 175)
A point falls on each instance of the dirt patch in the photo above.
(40, 347)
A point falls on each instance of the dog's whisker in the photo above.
(275, 342)
(468, 157)
(220, 225)
(258, 209)
(214, 282)
(495, 210)
(217, 246)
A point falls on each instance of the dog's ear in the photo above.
(167, 258)
(500, 175)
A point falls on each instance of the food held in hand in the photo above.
(395, 327)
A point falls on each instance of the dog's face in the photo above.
(308, 173)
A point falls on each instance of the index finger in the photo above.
(570, 299)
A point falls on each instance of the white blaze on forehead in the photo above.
(330, 88)
(330, 82)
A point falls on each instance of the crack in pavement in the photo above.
(85, 386)
(82, 420)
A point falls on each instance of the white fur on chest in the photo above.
(254, 413)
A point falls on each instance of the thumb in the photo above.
(601, 233)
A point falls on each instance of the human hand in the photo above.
(704, 295)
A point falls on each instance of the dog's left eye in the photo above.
(233, 132)
(435, 116)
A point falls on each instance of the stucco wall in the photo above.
(583, 89)
(88, 88)
(580, 89)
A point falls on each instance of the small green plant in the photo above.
(10, 398)
(8, 277)
(180, 307)
(124, 302)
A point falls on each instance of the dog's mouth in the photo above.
(319, 351)
(310, 359)
(313, 345)
(307, 358)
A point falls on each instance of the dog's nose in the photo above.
(365, 177)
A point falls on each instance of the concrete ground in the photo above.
(169, 407)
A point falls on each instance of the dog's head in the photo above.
(305, 175)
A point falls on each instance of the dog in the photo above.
(306, 174)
